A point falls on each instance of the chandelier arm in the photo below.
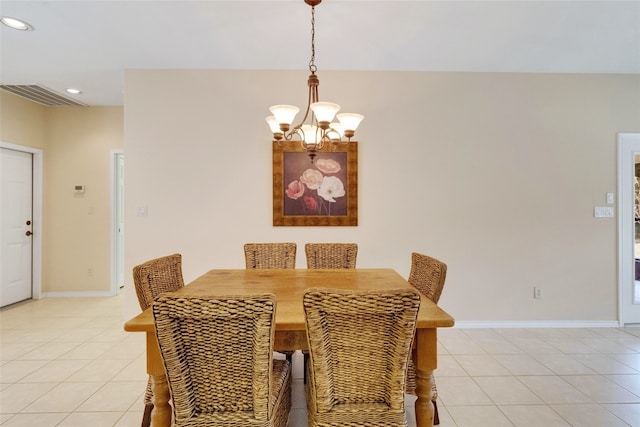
(325, 138)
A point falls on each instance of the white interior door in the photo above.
(16, 226)
(629, 289)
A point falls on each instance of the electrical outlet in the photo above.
(90, 271)
(603, 212)
(537, 293)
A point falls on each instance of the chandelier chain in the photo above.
(319, 130)
(312, 63)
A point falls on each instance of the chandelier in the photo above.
(319, 130)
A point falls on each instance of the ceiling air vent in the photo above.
(41, 95)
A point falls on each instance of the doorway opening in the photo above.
(636, 210)
(117, 221)
(628, 229)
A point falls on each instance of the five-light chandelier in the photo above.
(319, 131)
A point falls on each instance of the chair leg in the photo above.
(305, 365)
(436, 418)
(146, 417)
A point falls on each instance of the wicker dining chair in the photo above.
(152, 278)
(270, 255)
(217, 353)
(358, 378)
(331, 255)
(326, 256)
(428, 276)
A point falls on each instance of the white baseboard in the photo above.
(537, 324)
(88, 294)
(461, 324)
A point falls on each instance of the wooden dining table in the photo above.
(288, 286)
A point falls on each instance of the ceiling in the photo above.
(87, 44)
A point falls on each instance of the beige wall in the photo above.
(77, 226)
(495, 174)
(22, 122)
(77, 143)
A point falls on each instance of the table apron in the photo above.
(290, 340)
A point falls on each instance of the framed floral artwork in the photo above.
(315, 189)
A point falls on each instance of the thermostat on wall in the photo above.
(78, 189)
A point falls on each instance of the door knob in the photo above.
(28, 222)
(28, 233)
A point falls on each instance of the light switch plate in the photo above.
(610, 199)
(141, 210)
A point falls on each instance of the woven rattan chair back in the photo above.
(331, 255)
(218, 357)
(151, 279)
(359, 345)
(270, 255)
(428, 275)
(157, 276)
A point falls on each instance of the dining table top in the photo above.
(289, 285)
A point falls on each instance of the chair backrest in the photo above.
(331, 255)
(428, 275)
(218, 355)
(359, 345)
(156, 276)
(270, 255)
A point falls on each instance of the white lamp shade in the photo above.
(310, 134)
(273, 124)
(284, 113)
(324, 111)
(350, 121)
(338, 128)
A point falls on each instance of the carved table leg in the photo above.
(425, 361)
(161, 413)
(424, 406)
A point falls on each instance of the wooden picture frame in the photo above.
(315, 189)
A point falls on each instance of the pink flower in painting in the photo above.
(328, 165)
(312, 177)
(310, 203)
(331, 187)
(295, 189)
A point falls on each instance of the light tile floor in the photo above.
(68, 362)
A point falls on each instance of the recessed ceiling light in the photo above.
(74, 91)
(16, 24)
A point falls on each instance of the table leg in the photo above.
(425, 361)
(161, 413)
